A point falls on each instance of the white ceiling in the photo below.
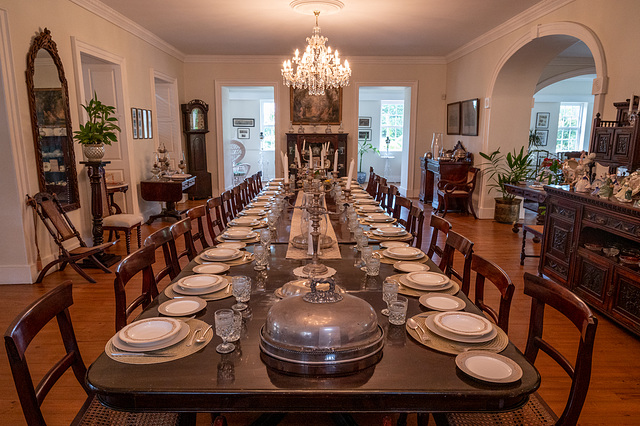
(362, 28)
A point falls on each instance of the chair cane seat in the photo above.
(98, 414)
(123, 220)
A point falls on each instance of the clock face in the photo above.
(196, 121)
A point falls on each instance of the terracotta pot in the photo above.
(507, 211)
(93, 152)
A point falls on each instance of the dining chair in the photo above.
(537, 231)
(401, 210)
(487, 270)
(457, 243)
(383, 194)
(458, 190)
(196, 214)
(24, 328)
(181, 230)
(536, 411)
(382, 182)
(140, 261)
(259, 180)
(415, 224)
(214, 215)
(228, 206)
(391, 197)
(163, 238)
(438, 226)
(55, 219)
(372, 184)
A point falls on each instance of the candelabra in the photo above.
(316, 210)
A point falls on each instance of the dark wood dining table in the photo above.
(409, 377)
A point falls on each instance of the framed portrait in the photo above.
(134, 122)
(453, 118)
(543, 135)
(542, 120)
(364, 122)
(50, 107)
(316, 109)
(364, 134)
(469, 114)
(145, 125)
(140, 133)
(149, 124)
(243, 133)
(244, 122)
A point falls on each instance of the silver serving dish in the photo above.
(300, 241)
(321, 332)
(298, 287)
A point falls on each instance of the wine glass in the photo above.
(241, 290)
(389, 293)
(265, 238)
(224, 329)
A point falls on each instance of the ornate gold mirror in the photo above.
(51, 122)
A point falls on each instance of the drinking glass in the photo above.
(265, 238)
(373, 266)
(389, 293)
(398, 310)
(224, 329)
(261, 258)
(237, 327)
(241, 290)
(271, 221)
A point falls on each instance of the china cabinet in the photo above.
(617, 143)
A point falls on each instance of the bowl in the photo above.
(610, 251)
(630, 261)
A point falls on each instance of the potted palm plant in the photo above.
(363, 148)
(502, 170)
(99, 129)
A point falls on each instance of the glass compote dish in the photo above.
(224, 320)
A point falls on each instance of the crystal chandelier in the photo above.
(318, 68)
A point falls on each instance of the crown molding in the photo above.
(270, 59)
(235, 59)
(518, 21)
(399, 60)
(102, 10)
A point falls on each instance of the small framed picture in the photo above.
(364, 135)
(244, 122)
(243, 133)
(453, 118)
(543, 135)
(469, 114)
(134, 122)
(140, 133)
(542, 120)
(364, 122)
(145, 125)
(150, 126)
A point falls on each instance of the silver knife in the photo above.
(139, 354)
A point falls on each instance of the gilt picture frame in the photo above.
(316, 109)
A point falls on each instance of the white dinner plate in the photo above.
(381, 218)
(211, 268)
(198, 292)
(222, 253)
(404, 253)
(410, 266)
(260, 204)
(390, 244)
(489, 367)
(463, 323)
(233, 234)
(253, 212)
(244, 221)
(405, 282)
(390, 231)
(456, 337)
(362, 195)
(370, 209)
(209, 282)
(182, 333)
(442, 302)
(270, 193)
(150, 331)
(264, 198)
(365, 202)
(182, 306)
(232, 244)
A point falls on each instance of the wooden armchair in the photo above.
(55, 219)
(459, 190)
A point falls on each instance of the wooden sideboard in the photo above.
(575, 219)
(337, 142)
(433, 171)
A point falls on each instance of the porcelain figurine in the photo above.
(624, 195)
(606, 189)
(583, 185)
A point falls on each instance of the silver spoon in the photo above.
(414, 325)
(193, 338)
(203, 337)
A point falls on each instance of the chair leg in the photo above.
(139, 231)
(47, 267)
(470, 203)
(127, 239)
(445, 208)
(100, 264)
(524, 243)
(82, 272)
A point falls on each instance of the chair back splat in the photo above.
(488, 271)
(438, 226)
(164, 238)
(457, 243)
(198, 216)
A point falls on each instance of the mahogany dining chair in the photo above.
(457, 243)
(163, 238)
(196, 214)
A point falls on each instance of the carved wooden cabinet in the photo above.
(575, 219)
(617, 143)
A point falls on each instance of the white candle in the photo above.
(335, 161)
(310, 159)
(298, 159)
(322, 155)
(304, 143)
(350, 176)
(286, 168)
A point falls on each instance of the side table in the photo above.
(168, 191)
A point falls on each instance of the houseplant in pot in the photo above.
(99, 129)
(502, 170)
(363, 148)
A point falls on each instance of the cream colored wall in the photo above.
(470, 76)
(66, 20)
(201, 77)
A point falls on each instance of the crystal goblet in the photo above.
(241, 290)
(389, 293)
(224, 329)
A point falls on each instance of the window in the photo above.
(391, 125)
(267, 125)
(571, 123)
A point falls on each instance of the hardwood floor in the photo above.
(614, 393)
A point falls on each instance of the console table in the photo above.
(574, 223)
(168, 191)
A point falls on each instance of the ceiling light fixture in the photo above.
(318, 68)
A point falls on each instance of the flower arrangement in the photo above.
(550, 171)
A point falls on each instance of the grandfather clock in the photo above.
(196, 127)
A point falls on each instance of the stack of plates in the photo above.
(260, 204)
(232, 244)
(269, 192)
(410, 266)
(211, 268)
(426, 281)
(403, 253)
(365, 201)
(462, 327)
(442, 302)
(239, 233)
(360, 195)
(264, 198)
(256, 211)
(245, 221)
(370, 209)
(379, 217)
(221, 254)
(150, 334)
(194, 285)
(182, 306)
(390, 244)
(390, 231)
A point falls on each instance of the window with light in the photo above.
(391, 125)
(571, 124)
(268, 125)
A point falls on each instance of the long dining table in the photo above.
(409, 377)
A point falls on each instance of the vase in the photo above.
(93, 152)
(362, 176)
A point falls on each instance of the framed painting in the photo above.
(316, 109)
(244, 122)
(140, 133)
(134, 122)
(145, 125)
(453, 118)
(364, 122)
(469, 115)
(543, 135)
(364, 134)
(542, 120)
(149, 124)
